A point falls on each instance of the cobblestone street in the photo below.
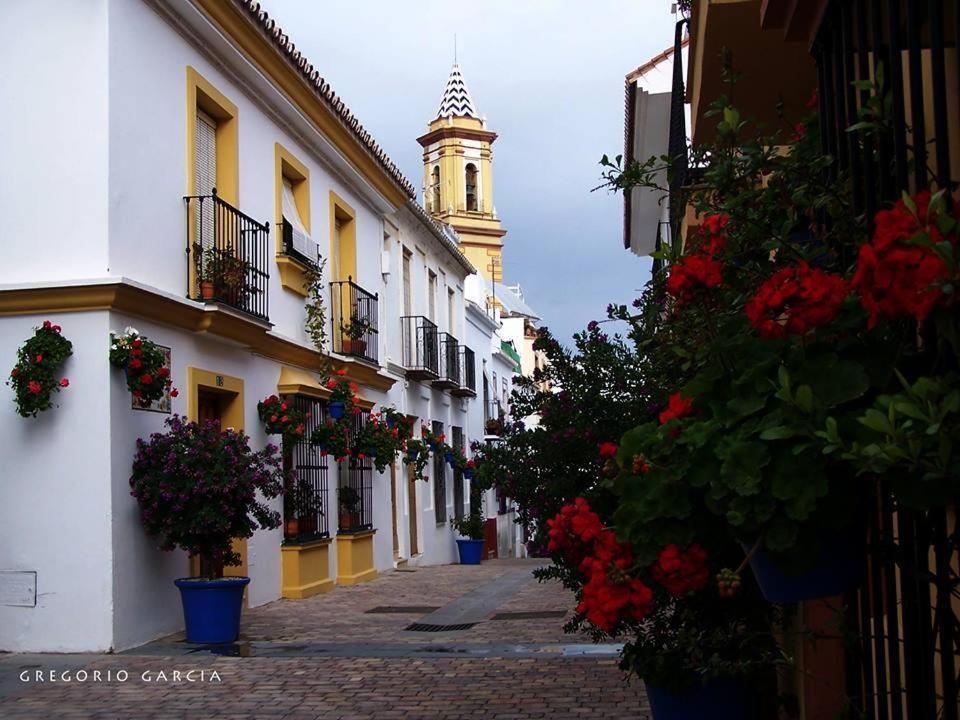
(331, 657)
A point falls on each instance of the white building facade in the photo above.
(164, 133)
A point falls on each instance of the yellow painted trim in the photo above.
(341, 210)
(305, 570)
(203, 95)
(232, 417)
(292, 272)
(355, 558)
(261, 51)
(192, 317)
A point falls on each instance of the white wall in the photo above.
(53, 140)
(55, 496)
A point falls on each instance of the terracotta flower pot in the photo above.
(292, 528)
(206, 290)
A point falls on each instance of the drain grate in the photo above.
(530, 615)
(402, 609)
(425, 627)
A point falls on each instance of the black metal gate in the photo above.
(905, 639)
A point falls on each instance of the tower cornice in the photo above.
(452, 132)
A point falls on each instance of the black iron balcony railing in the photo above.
(421, 347)
(449, 363)
(354, 317)
(468, 376)
(227, 255)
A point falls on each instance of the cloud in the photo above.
(548, 75)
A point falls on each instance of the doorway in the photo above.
(218, 397)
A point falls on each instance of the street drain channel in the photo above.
(402, 610)
(425, 627)
(530, 615)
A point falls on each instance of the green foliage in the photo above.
(34, 377)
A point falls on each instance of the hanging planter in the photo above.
(279, 417)
(34, 377)
(838, 568)
(142, 361)
(337, 409)
(718, 699)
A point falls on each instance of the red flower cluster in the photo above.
(681, 572)
(608, 450)
(34, 378)
(895, 278)
(281, 418)
(142, 360)
(610, 594)
(700, 269)
(677, 407)
(795, 300)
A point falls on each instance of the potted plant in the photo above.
(473, 529)
(143, 363)
(355, 335)
(418, 455)
(197, 488)
(332, 438)
(349, 500)
(280, 417)
(343, 396)
(34, 377)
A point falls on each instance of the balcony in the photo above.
(449, 363)
(226, 256)
(468, 375)
(421, 350)
(493, 417)
(354, 316)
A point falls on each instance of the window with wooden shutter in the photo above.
(301, 241)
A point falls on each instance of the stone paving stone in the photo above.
(302, 687)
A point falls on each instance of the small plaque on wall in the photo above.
(18, 588)
(163, 404)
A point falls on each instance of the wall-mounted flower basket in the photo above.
(279, 417)
(143, 363)
(34, 377)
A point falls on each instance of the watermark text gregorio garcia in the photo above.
(119, 676)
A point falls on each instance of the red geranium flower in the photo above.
(64, 382)
(895, 278)
(608, 449)
(39, 358)
(163, 372)
(34, 387)
(174, 393)
(146, 378)
(677, 407)
(795, 300)
(331, 384)
(693, 273)
(47, 324)
(135, 364)
(681, 572)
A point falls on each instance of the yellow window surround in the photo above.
(287, 166)
(345, 264)
(202, 95)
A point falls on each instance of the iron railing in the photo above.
(354, 316)
(227, 255)
(306, 497)
(468, 374)
(906, 640)
(421, 348)
(439, 480)
(449, 362)
(355, 489)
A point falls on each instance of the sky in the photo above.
(549, 77)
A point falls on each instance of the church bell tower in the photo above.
(458, 177)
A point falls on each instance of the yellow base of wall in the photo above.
(305, 570)
(355, 558)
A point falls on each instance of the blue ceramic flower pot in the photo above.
(413, 455)
(721, 699)
(471, 551)
(336, 409)
(468, 474)
(448, 456)
(391, 422)
(838, 568)
(211, 608)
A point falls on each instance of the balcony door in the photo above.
(205, 174)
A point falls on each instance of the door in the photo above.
(413, 510)
(393, 511)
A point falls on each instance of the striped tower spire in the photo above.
(456, 101)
